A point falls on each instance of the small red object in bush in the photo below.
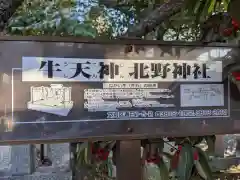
(179, 148)
(100, 153)
(235, 24)
(227, 32)
(236, 75)
(155, 160)
(195, 156)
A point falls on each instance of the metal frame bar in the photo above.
(126, 41)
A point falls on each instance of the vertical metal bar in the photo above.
(238, 146)
(42, 155)
(128, 160)
(32, 159)
(73, 159)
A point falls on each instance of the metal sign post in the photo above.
(129, 165)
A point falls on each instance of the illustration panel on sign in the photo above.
(55, 99)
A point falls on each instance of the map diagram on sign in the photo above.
(55, 99)
(202, 95)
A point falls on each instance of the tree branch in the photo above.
(7, 9)
(155, 18)
(116, 3)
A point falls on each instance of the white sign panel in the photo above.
(202, 95)
(113, 70)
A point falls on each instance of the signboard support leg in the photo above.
(128, 160)
(219, 146)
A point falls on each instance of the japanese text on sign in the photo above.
(94, 70)
(117, 99)
(168, 114)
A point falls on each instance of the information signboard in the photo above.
(66, 91)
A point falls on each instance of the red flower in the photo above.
(101, 154)
(104, 156)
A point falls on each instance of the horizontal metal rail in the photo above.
(127, 41)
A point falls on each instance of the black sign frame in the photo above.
(99, 129)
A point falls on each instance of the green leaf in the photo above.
(80, 153)
(205, 11)
(200, 170)
(151, 171)
(186, 162)
(225, 4)
(190, 6)
(211, 7)
(78, 31)
(82, 146)
(200, 11)
(202, 165)
(164, 173)
(88, 153)
(95, 11)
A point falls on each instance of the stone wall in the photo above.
(19, 162)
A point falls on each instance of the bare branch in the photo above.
(155, 18)
(116, 3)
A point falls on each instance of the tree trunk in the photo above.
(7, 9)
(163, 13)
